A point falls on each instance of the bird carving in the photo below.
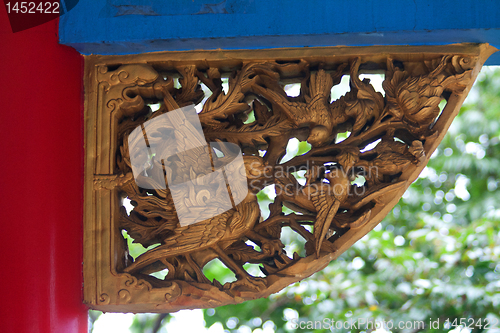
(314, 113)
(219, 232)
(327, 200)
(392, 157)
(362, 103)
(326, 197)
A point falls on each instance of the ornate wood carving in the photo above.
(390, 140)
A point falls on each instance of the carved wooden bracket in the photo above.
(389, 141)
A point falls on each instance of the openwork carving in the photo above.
(365, 150)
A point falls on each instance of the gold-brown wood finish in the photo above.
(330, 213)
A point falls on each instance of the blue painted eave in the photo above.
(127, 27)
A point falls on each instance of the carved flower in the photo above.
(415, 98)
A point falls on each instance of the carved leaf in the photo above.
(219, 107)
(252, 134)
(190, 92)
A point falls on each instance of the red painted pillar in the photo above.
(41, 170)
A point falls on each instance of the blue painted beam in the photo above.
(136, 26)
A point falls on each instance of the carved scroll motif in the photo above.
(349, 184)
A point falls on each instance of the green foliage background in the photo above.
(436, 255)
